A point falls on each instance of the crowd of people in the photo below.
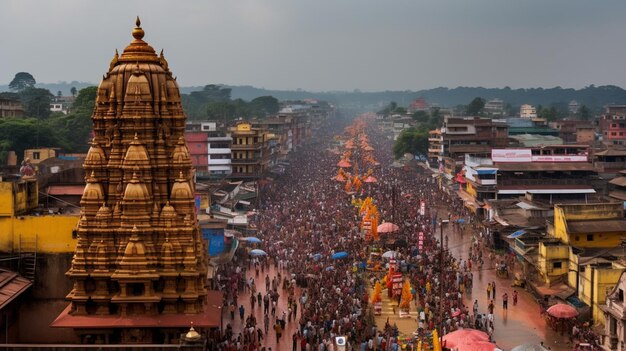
(305, 216)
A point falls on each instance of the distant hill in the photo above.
(593, 96)
(64, 87)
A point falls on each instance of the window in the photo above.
(36, 155)
(589, 237)
(557, 265)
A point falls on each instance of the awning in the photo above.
(517, 234)
(486, 171)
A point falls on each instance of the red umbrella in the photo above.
(387, 227)
(477, 346)
(344, 164)
(371, 179)
(456, 313)
(461, 336)
(561, 310)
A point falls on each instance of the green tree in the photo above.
(411, 140)
(220, 110)
(267, 105)
(400, 110)
(85, 102)
(549, 113)
(420, 116)
(73, 91)
(18, 134)
(436, 119)
(21, 81)
(36, 102)
(475, 108)
(584, 113)
(392, 106)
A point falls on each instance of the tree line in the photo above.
(40, 127)
(214, 102)
(71, 132)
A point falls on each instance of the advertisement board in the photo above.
(511, 155)
(559, 158)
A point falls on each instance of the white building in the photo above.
(615, 317)
(527, 111)
(494, 107)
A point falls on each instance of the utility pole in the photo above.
(443, 221)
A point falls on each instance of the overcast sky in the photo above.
(327, 44)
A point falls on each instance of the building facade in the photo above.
(612, 125)
(250, 151)
(11, 108)
(527, 111)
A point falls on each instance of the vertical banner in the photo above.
(420, 241)
(422, 208)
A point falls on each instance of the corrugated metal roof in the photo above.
(619, 181)
(597, 226)
(65, 190)
(11, 286)
(545, 166)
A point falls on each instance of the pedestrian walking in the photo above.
(488, 290)
(493, 289)
(514, 297)
(505, 301)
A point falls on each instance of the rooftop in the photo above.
(11, 286)
(546, 166)
(597, 226)
(619, 181)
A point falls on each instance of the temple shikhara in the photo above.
(140, 264)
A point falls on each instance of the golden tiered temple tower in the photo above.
(140, 264)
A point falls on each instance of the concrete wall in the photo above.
(601, 281)
(548, 254)
(54, 233)
(45, 301)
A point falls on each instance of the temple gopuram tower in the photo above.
(140, 264)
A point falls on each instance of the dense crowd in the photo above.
(305, 217)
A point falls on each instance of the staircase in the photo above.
(28, 257)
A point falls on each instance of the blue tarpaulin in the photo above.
(215, 237)
(517, 234)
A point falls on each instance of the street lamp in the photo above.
(443, 221)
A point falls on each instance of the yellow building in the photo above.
(39, 154)
(586, 242)
(250, 151)
(18, 224)
(599, 225)
(596, 281)
(553, 260)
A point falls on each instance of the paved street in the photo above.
(296, 226)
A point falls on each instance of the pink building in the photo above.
(197, 142)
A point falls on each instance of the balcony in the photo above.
(254, 146)
(246, 161)
(469, 148)
(222, 161)
(218, 150)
